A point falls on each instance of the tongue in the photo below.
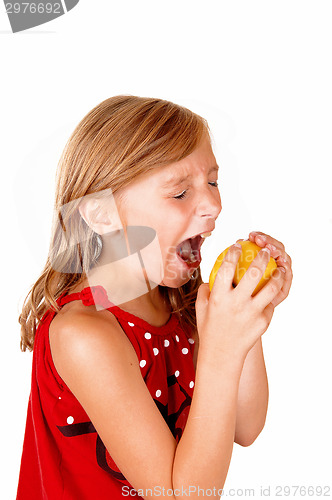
(188, 251)
(185, 250)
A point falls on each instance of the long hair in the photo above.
(118, 140)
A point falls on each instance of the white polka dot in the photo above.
(177, 373)
(166, 343)
(142, 363)
(59, 397)
(185, 350)
(191, 341)
(177, 338)
(130, 324)
(70, 420)
(158, 393)
(191, 384)
(155, 351)
(147, 335)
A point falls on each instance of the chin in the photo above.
(174, 283)
(177, 273)
(176, 280)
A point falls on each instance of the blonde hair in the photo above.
(118, 140)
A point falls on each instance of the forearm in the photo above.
(252, 397)
(204, 452)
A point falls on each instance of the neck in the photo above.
(127, 285)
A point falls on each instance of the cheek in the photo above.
(153, 260)
(178, 218)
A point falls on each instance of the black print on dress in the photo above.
(74, 430)
(77, 429)
(102, 455)
(172, 420)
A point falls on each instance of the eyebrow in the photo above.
(174, 181)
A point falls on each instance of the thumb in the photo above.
(203, 293)
(202, 301)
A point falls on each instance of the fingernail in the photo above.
(261, 237)
(237, 245)
(282, 259)
(265, 250)
(282, 269)
(271, 247)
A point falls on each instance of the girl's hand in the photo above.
(229, 319)
(282, 259)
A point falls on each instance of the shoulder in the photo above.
(79, 334)
(74, 318)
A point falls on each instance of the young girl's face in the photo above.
(180, 202)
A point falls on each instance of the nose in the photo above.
(209, 204)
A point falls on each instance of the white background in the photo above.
(260, 72)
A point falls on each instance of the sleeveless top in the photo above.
(63, 456)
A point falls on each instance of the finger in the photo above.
(254, 273)
(284, 262)
(285, 287)
(271, 290)
(262, 239)
(279, 255)
(284, 259)
(224, 277)
(276, 248)
(288, 282)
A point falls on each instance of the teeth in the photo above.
(192, 257)
(205, 235)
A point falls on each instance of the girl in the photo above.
(148, 398)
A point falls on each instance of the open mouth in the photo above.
(189, 251)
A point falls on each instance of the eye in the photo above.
(180, 196)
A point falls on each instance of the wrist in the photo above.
(221, 357)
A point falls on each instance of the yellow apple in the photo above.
(249, 252)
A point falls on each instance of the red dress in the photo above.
(63, 456)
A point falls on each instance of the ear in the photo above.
(100, 215)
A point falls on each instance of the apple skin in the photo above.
(249, 252)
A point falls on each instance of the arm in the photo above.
(98, 363)
(204, 452)
(252, 397)
(253, 390)
(229, 327)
